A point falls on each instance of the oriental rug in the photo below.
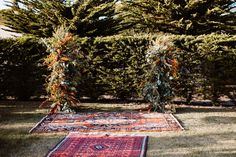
(108, 122)
(76, 145)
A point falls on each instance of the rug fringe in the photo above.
(182, 128)
(31, 130)
(167, 119)
(144, 146)
(57, 146)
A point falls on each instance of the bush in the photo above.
(115, 65)
(207, 64)
(21, 71)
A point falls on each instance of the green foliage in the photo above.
(96, 18)
(97, 61)
(21, 68)
(35, 17)
(163, 69)
(207, 64)
(1, 18)
(191, 17)
(83, 18)
(115, 65)
(64, 62)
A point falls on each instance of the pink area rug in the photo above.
(108, 122)
(76, 145)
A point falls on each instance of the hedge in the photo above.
(117, 65)
(21, 74)
(207, 65)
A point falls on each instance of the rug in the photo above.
(107, 122)
(76, 145)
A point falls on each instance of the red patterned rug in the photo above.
(108, 122)
(76, 145)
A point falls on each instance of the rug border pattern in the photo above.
(181, 128)
(37, 124)
(143, 149)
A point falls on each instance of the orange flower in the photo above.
(174, 64)
(157, 61)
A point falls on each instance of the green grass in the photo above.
(209, 132)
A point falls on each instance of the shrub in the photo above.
(207, 64)
(21, 69)
(115, 65)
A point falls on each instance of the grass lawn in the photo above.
(210, 132)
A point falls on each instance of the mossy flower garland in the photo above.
(162, 70)
(64, 62)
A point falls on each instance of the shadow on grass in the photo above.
(227, 103)
(192, 145)
(113, 101)
(86, 105)
(225, 153)
(22, 144)
(101, 109)
(212, 153)
(16, 103)
(10, 107)
(20, 117)
(220, 120)
(15, 140)
(203, 110)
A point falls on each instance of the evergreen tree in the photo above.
(82, 17)
(192, 17)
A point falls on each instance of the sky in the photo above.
(2, 6)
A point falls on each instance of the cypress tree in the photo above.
(191, 17)
(82, 17)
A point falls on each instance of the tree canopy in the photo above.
(82, 17)
(191, 17)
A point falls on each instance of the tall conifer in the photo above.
(82, 17)
(191, 17)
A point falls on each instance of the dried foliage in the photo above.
(64, 62)
(161, 57)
